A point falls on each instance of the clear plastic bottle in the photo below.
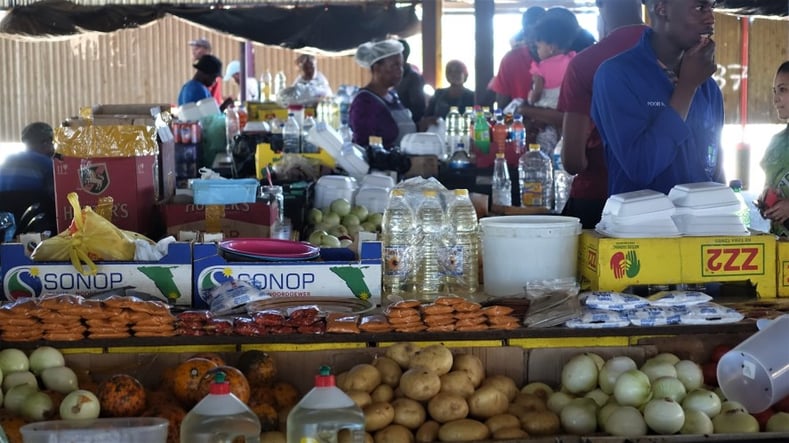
(397, 235)
(468, 126)
(535, 173)
(519, 134)
(454, 127)
(744, 212)
(462, 260)
(343, 99)
(306, 146)
(220, 417)
(499, 141)
(291, 135)
(501, 183)
(323, 412)
(432, 222)
(280, 83)
(265, 86)
(562, 181)
(232, 127)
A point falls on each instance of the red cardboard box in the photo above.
(241, 220)
(128, 180)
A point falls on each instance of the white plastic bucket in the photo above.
(756, 372)
(520, 248)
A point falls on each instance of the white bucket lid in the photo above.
(531, 225)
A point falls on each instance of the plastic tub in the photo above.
(373, 198)
(225, 192)
(756, 372)
(331, 187)
(100, 430)
(518, 249)
(377, 181)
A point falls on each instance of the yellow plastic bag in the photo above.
(89, 238)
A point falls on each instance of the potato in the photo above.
(531, 402)
(502, 421)
(504, 384)
(487, 401)
(389, 369)
(394, 434)
(539, 389)
(428, 432)
(401, 353)
(382, 393)
(409, 413)
(457, 382)
(345, 436)
(436, 358)
(510, 434)
(341, 381)
(272, 437)
(377, 416)
(361, 398)
(540, 423)
(363, 377)
(446, 407)
(420, 384)
(471, 364)
(463, 430)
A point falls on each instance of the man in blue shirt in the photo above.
(656, 106)
(208, 68)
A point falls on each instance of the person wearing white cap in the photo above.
(376, 109)
(233, 71)
(200, 47)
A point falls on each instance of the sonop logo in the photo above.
(22, 282)
(625, 264)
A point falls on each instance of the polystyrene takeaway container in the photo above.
(375, 199)
(331, 187)
(100, 430)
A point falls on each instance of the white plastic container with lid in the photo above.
(331, 187)
(374, 198)
(116, 430)
(377, 180)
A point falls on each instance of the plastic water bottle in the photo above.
(220, 417)
(232, 128)
(454, 127)
(265, 86)
(519, 134)
(501, 184)
(397, 235)
(562, 182)
(535, 173)
(744, 212)
(291, 135)
(500, 133)
(308, 147)
(280, 83)
(462, 260)
(323, 412)
(343, 99)
(431, 221)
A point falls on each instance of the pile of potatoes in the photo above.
(413, 394)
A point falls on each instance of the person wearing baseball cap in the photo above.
(207, 69)
(200, 47)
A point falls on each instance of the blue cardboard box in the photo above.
(168, 278)
(360, 278)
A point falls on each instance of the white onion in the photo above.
(611, 370)
(667, 357)
(696, 422)
(654, 369)
(632, 388)
(579, 375)
(598, 361)
(38, 406)
(664, 416)
(779, 422)
(731, 405)
(604, 412)
(558, 400)
(61, 379)
(690, 374)
(702, 400)
(579, 416)
(79, 405)
(669, 387)
(16, 396)
(598, 396)
(19, 378)
(626, 421)
(735, 422)
(13, 360)
(45, 357)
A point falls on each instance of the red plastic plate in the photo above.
(270, 248)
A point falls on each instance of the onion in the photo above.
(669, 387)
(690, 374)
(16, 396)
(579, 416)
(654, 369)
(19, 378)
(611, 370)
(579, 375)
(539, 389)
(696, 422)
(664, 416)
(731, 405)
(632, 388)
(626, 421)
(60, 379)
(80, 404)
(604, 412)
(667, 357)
(558, 400)
(13, 360)
(45, 357)
(704, 401)
(598, 396)
(779, 422)
(38, 406)
(735, 422)
(598, 361)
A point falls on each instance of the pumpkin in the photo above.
(187, 378)
(285, 394)
(258, 367)
(11, 423)
(167, 379)
(267, 414)
(121, 396)
(174, 415)
(213, 356)
(239, 386)
(160, 396)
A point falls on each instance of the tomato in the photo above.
(710, 371)
(762, 418)
(718, 351)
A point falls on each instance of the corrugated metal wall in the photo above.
(51, 80)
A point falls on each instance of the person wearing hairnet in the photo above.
(376, 109)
